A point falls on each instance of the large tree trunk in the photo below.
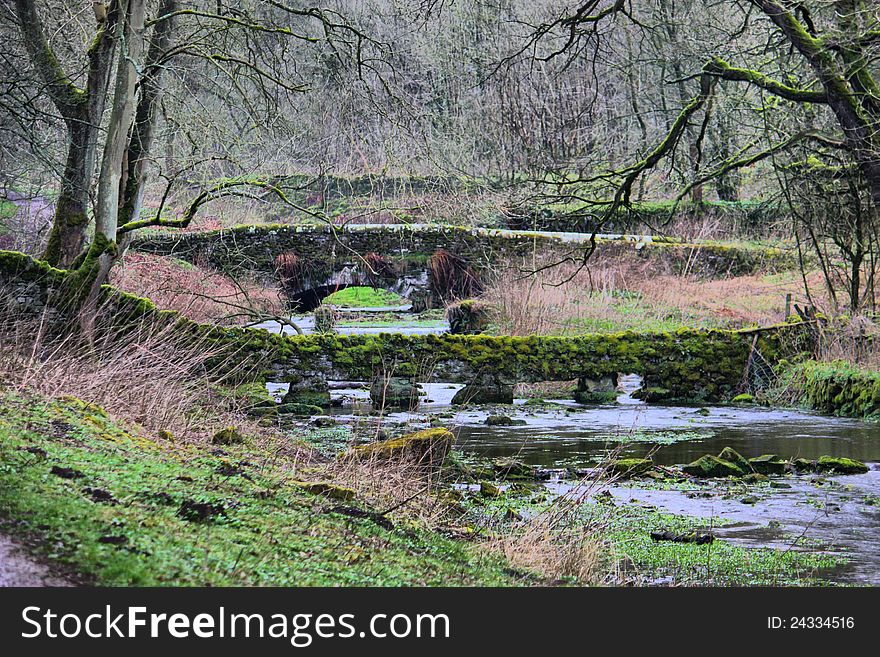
(147, 117)
(68, 235)
(131, 35)
(81, 110)
(858, 121)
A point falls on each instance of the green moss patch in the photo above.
(364, 297)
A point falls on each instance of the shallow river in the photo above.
(838, 514)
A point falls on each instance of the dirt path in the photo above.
(18, 569)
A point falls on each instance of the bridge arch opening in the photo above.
(308, 300)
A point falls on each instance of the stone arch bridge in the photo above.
(313, 261)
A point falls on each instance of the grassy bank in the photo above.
(121, 508)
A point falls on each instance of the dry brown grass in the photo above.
(855, 340)
(146, 378)
(574, 553)
(619, 294)
(403, 490)
(195, 291)
(558, 543)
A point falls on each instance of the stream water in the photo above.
(837, 514)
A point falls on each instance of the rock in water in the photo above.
(427, 448)
(630, 467)
(712, 466)
(513, 469)
(768, 464)
(732, 456)
(503, 421)
(840, 465)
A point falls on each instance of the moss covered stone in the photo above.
(838, 388)
(228, 436)
(732, 456)
(630, 467)
(768, 464)
(512, 469)
(840, 465)
(712, 467)
(299, 410)
(503, 421)
(428, 448)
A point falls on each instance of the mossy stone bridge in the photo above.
(684, 365)
(312, 261)
(692, 365)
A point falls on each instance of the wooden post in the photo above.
(787, 307)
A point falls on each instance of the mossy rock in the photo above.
(428, 448)
(755, 478)
(804, 465)
(512, 469)
(326, 489)
(712, 467)
(732, 456)
(495, 394)
(743, 399)
(488, 489)
(228, 436)
(630, 467)
(768, 464)
(395, 393)
(504, 421)
(299, 410)
(254, 395)
(840, 465)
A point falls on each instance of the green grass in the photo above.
(628, 531)
(272, 533)
(364, 297)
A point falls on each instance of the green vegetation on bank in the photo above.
(719, 563)
(837, 388)
(364, 297)
(119, 508)
(624, 531)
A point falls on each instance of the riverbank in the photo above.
(837, 388)
(126, 508)
(120, 506)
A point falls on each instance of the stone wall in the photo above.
(685, 364)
